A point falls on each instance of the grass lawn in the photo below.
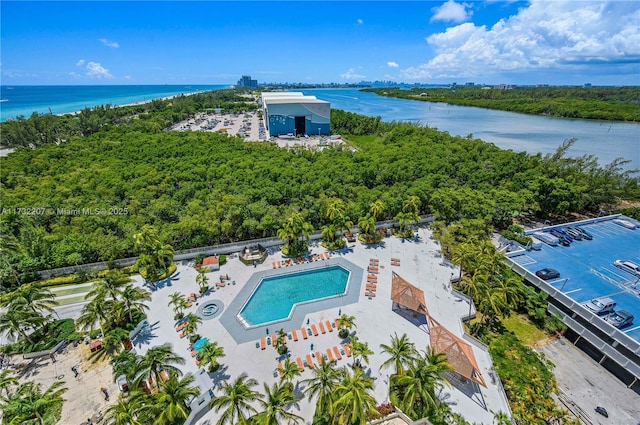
(72, 290)
(521, 326)
(71, 300)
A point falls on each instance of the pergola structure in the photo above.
(459, 353)
(407, 295)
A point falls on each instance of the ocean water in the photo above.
(24, 100)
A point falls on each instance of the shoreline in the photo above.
(142, 102)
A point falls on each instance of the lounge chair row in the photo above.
(305, 333)
(332, 354)
(300, 260)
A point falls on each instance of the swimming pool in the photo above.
(275, 297)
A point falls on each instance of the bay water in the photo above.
(606, 140)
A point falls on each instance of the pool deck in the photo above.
(421, 264)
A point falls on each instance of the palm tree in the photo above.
(329, 233)
(202, 280)
(133, 298)
(335, 209)
(360, 349)
(9, 246)
(179, 303)
(31, 405)
(129, 411)
(35, 297)
(289, 370)
(325, 378)
(412, 205)
(114, 283)
(377, 208)
(192, 323)
(354, 402)
(367, 226)
(415, 391)
(112, 341)
(7, 381)
(403, 218)
(236, 400)
(346, 324)
(124, 363)
(98, 310)
(155, 360)
(164, 257)
(277, 399)
(15, 322)
(401, 353)
(209, 354)
(172, 397)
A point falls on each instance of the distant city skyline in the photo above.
(523, 43)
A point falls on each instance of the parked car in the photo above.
(600, 306)
(588, 236)
(619, 319)
(546, 274)
(628, 266)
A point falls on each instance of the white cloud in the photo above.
(112, 44)
(360, 21)
(351, 74)
(392, 64)
(451, 12)
(545, 35)
(95, 70)
(80, 62)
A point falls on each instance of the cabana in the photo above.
(459, 353)
(405, 294)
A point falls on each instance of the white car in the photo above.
(628, 266)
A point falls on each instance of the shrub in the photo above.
(95, 333)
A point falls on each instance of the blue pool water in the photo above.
(200, 343)
(587, 271)
(275, 297)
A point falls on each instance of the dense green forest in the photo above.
(601, 103)
(82, 200)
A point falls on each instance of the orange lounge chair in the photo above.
(273, 264)
(263, 343)
(338, 323)
(220, 284)
(280, 368)
(273, 339)
(329, 326)
(309, 361)
(197, 362)
(370, 286)
(183, 334)
(347, 349)
(337, 352)
(295, 334)
(181, 326)
(300, 365)
(304, 333)
(330, 355)
(319, 357)
(314, 329)
(279, 264)
(189, 304)
(322, 329)
(194, 353)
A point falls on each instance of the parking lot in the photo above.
(587, 269)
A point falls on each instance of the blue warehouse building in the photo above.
(296, 114)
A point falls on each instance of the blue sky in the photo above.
(536, 42)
